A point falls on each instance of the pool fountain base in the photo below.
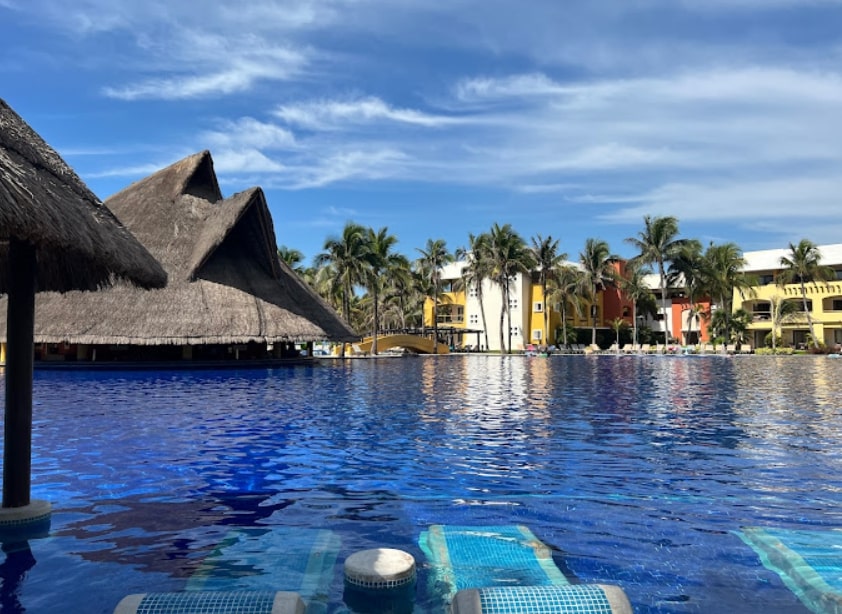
(25, 522)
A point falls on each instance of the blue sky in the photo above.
(435, 119)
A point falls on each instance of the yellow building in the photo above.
(824, 301)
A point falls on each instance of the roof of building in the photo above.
(226, 282)
(770, 259)
(78, 243)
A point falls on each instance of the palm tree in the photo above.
(345, 259)
(566, 286)
(803, 265)
(686, 270)
(292, 257)
(478, 268)
(398, 292)
(722, 273)
(657, 245)
(379, 259)
(432, 259)
(546, 256)
(779, 311)
(634, 286)
(509, 256)
(617, 325)
(598, 268)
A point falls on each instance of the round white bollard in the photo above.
(380, 580)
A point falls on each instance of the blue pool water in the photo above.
(636, 471)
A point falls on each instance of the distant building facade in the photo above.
(824, 300)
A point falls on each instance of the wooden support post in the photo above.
(20, 327)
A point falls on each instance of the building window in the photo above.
(512, 302)
(515, 331)
(537, 334)
(472, 291)
(837, 304)
(765, 280)
(456, 314)
(538, 307)
(473, 318)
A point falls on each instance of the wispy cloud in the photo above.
(336, 114)
(249, 132)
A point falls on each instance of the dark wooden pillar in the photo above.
(20, 326)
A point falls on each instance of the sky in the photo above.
(438, 118)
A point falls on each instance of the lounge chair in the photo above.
(707, 348)
(496, 569)
(593, 348)
(234, 602)
(644, 348)
(731, 348)
(745, 348)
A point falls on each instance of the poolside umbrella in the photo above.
(55, 235)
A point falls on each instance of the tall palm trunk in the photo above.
(664, 303)
(564, 322)
(376, 323)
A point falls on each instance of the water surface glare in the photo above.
(637, 471)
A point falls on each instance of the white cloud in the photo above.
(333, 114)
(339, 166)
(248, 161)
(249, 132)
(793, 198)
(515, 86)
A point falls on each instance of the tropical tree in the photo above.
(617, 325)
(722, 271)
(634, 286)
(478, 268)
(379, 259)
(686, 270)
(399, 291)
(802, 266)
(598, 270)
(565, 288)
(433, 257)
(658, 245)
(780, 310)
(345, 258)
(509, 256)
(292, 257)
(547, 258)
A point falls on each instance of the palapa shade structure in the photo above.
(227, 287)
(54, 235)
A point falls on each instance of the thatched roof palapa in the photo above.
(79, 243)
(226, 282)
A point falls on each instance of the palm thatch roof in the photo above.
(78, 242)
(226, 282)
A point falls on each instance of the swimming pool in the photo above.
(637, 471)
